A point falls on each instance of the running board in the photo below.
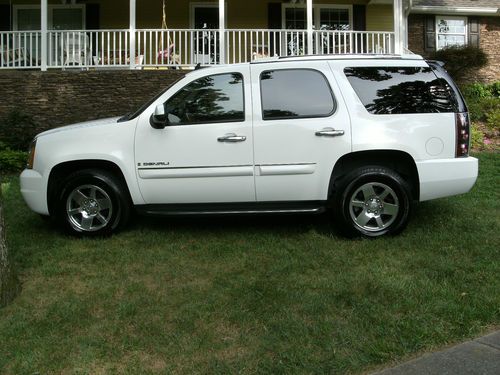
(218, 209)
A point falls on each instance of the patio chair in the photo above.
(169, 56)
(76, 49)
(14, 56)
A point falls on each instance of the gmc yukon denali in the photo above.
(362, 137)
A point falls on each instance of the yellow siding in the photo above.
(379, 18)
(244, 14)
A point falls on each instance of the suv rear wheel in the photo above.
(92, 202)
(372, 201)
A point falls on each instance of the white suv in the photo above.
(364, 136)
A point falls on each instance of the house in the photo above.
(43, 34)
(150, 33)
(435, 24)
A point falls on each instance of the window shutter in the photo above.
(92, 16)
(430, 33)
(359, 17)
(359, 23)
(5, 17)
(474, 32)
(274, 15)
(274, 22)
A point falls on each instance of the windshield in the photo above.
(142, 108)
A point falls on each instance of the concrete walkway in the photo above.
(477, 357)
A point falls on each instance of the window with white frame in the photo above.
(325, 16)
(451, 31)
(60, 17)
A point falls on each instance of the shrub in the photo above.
(495, 89)
(17, 130)
(478, 91)
(477, 138)
(460, 60)
(12, 161)
(493, 120)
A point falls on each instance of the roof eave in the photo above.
(476, 11)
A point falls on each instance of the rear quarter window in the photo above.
(401, 90)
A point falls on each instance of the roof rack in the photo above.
(337, 57)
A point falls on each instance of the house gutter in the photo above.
(477, 11)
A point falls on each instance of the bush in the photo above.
(493, 120)
(495, 89)
(478, 91)
(17, 130)
(477, 138)
(460, 60)
(12, 161)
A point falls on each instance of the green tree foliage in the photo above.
(461, 60)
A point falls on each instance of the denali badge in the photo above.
(155, 164)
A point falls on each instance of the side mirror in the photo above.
(158, 119)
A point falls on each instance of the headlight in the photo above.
(31, 155)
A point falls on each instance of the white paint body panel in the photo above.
(93, 140)
(200, 169)
(286, 149)
(406, 132)
(446, 177)
(281, 160)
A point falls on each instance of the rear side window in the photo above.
(295, 93)
(399, 90)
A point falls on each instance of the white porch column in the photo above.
(309, 13)
(222, 32)
(398, 27)
(44, 43)
(132, 38)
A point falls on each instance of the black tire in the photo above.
(372, 201)
(92, 202)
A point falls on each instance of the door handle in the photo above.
(330, 132)
(232, 138)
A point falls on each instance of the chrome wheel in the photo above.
(89, 208)
(374, 206)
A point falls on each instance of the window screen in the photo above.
(398, 90)
(211, 99)
(295, 93)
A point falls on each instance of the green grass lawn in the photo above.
(273, 295)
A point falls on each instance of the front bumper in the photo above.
(445, 177)
(34, 191)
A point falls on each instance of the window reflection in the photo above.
(293, 93)
(216, 98)
(399, 90)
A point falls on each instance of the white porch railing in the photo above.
(179, 47)
(20, 49)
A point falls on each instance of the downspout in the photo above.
(406, 15)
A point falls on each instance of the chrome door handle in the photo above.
(231, 137)
(330, 132)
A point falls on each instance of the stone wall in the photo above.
(57, 98)
(416, 33)
(489, 42)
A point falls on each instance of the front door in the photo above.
(205, 20)
(301, 129)
(205, 153)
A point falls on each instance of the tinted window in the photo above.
(295, 93)
(216, 98)
(396, 90)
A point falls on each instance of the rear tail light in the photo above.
(463, 134)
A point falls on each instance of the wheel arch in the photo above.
(61, 170)
(400, 161)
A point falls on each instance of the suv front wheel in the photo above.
(372, 201)
(92, 202)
